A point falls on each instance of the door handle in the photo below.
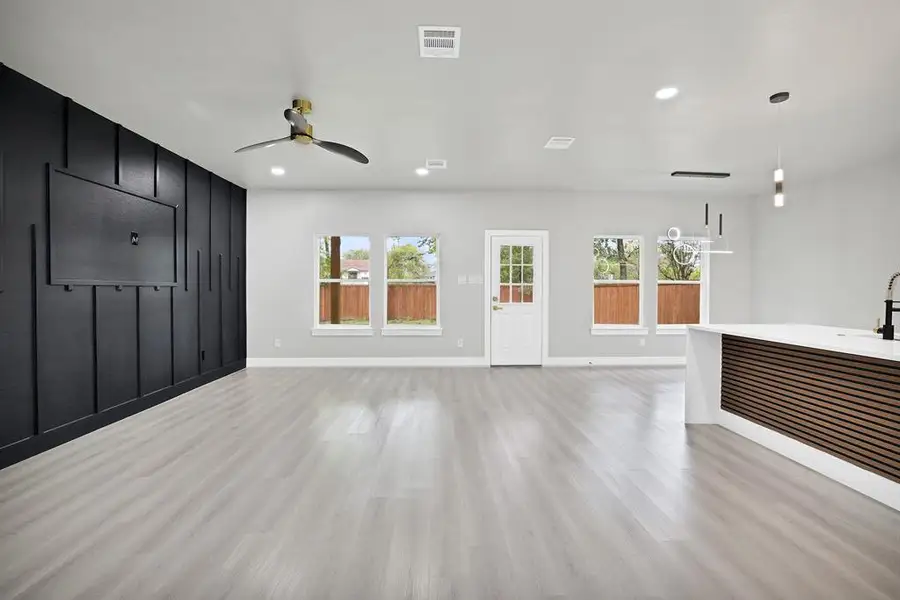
(495, 307)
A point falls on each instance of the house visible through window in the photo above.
(343, 281)
(681, 283)
(412, 281)
(617, 281)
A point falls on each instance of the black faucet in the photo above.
(890, 307)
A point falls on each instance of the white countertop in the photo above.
(835, 339)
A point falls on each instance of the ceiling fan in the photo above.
(302, 133)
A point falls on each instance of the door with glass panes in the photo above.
(516, 298)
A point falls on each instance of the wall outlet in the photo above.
(278, 342)
(459, 343)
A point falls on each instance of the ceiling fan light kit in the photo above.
(302, 133)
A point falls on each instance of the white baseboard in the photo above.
(463, 361)
(615, 361)
(371, 361)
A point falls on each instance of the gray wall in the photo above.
(282, 224)
(825, 258)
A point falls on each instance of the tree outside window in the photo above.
(343, 281)
(412, 281)
(617, 281)
(681, 282)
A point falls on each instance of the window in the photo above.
(342, 294)
(682, 283)
(411, 290)
(617, 282)
(516, 274)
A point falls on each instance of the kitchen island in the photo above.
(825, 397)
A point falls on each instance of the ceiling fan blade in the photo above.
(297, 121)
(343, 150)
(267, 144)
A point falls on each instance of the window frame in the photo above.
(640, 327)
(406, 330)
(681, 329)
(339, 329)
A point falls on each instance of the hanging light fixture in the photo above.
(778, 177)
(707, 245)
(726, 249)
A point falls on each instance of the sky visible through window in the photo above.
(354, 243)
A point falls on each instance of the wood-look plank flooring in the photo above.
(386, 484)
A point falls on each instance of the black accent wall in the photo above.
(96, 322)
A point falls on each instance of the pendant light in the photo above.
(707, 243)
(778, 175)
(726, 249)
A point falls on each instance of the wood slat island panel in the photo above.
(842, 404)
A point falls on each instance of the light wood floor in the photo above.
(434, 483)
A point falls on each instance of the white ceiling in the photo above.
(203, 78)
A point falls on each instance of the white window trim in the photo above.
(671, 329)
(343, 331)
(704, 283)
(619, 330)
(331, 329)
(640, 327)
(411, 331)
(404, 330)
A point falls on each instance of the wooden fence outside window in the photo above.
(406, 302)
(678, 303)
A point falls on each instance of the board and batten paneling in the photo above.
(123, 333)
(842, 404)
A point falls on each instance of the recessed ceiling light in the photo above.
(279, 171)
(666, 93)
(422, 171)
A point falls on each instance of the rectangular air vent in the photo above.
(435, 163)
(439, 42)
(701, 174)
(559, 143)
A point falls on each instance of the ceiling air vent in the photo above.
(559, 143)
(435, 163)
(439, 42)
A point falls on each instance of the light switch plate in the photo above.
(476, 279)
(461, 280)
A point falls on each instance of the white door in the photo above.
(516, 296)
